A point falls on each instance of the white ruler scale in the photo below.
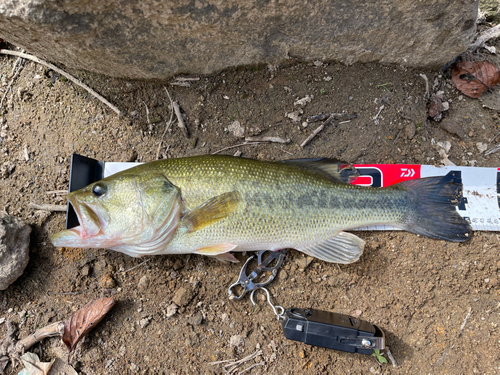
(480, 202)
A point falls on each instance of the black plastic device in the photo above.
(332, 330)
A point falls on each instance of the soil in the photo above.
(418, 290)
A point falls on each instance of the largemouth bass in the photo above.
(214, 205)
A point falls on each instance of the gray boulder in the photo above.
(14, 248)
(159, 39)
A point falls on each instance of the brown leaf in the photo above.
(83, 320)
(474, 78)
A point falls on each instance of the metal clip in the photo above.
(247, 282)
(278, 310)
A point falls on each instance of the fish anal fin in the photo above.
(336, 170)
(212, 210)
(342, 248)
(226, 257)
(216, 249)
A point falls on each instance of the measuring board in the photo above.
(480, 202)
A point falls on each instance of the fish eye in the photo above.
(99, 189)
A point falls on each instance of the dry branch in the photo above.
(61, 72)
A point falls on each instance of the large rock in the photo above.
(14, 248)
(158, 39)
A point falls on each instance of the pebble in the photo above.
(14, 248)
(143, 282)
(183, 296)
(482, 147)
(171, 310)
(107, 281)
(134, 367)
(236, 340)
(410, 130)
(85, 271)
(100, 266)
(144, 322)
(453, 127)
(236, 128)
(197, 319)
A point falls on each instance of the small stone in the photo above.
(85, 271)
(171, 310)
(236, 128)
(302, 354)
(144, 322)
(197, 319)
(482, 147)
(294, 116)
(6, 169)
(14, 248)
(183, 296)
(107, 281)
(303, 101)
(100, 266)
(134, 367)
(236, 340)
(453, 127)
(143, 283)
(410, 130)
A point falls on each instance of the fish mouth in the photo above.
(90, 227)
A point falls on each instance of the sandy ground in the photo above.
(418, 290)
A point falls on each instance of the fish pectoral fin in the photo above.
(342, 248)
(212, 210)
(336, 170)
(216, 250)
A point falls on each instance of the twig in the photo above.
(238, 145)
(267, 139)
(232, 365)
(48, 207)
(262, 363)
(378, 114)
(465, 321)
(168, 124)
(185, 79)
(316, 132)
(49, 293)
(424, 77)
(391, 357)
(57, 192)
(181, 123)
(137, 266)
(490, 142)
(486, 35)
(62, 72)
(54, 329)
(492, 150)
(13, 79)
(147, 114)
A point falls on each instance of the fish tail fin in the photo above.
(432, 212)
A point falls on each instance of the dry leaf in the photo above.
(33, 366)
(83, 320)
(474, 78)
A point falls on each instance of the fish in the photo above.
(215, 205)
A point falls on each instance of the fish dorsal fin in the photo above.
(212, 210)
(342, 248)
(336, 170)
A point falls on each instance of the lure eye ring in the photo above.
(99, 189)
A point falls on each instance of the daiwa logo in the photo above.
(369, 176)
(407, 172)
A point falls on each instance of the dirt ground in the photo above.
(418, 290)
